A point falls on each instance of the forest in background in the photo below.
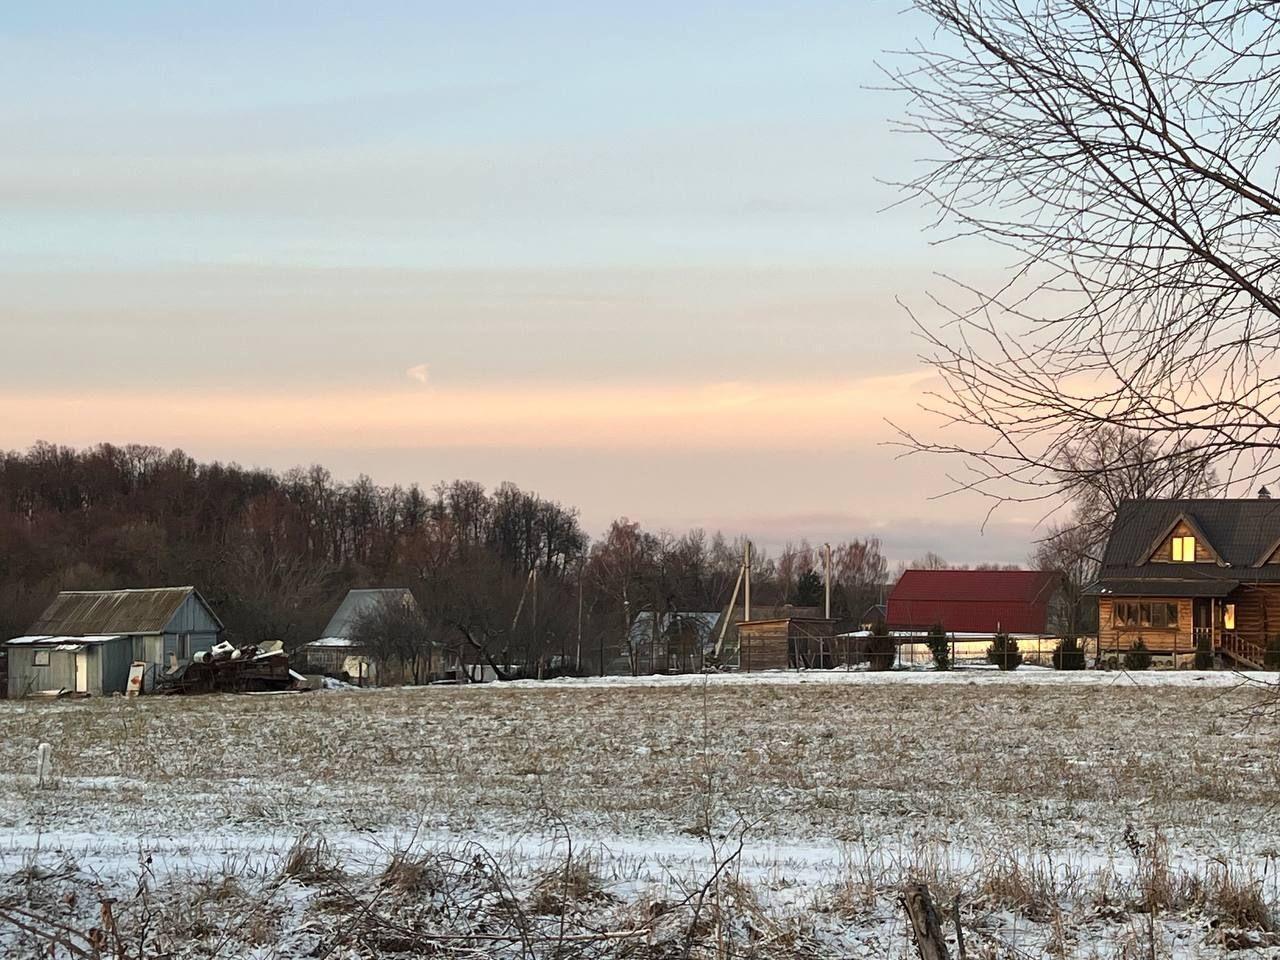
(274, 553)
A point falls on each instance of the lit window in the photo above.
(1229, 616)
(1184, 549)
(41, 658)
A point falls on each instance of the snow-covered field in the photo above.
(1072, 814)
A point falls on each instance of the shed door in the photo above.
(82, 672)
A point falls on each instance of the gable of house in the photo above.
(1184, 539)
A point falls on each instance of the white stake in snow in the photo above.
(44, 765)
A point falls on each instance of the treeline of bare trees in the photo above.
(501, 576)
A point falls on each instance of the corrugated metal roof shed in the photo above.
(974, 601)
(104, 612)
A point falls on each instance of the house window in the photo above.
(1184, 549)
(1229, 616)
(1130, 613)
(40, 658)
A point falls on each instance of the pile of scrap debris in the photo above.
(231, 669)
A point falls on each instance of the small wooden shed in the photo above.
(787, 643)
(90, 664)
(85, 640)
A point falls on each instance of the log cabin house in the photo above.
(1177, 573)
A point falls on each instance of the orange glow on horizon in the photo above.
(779, 415)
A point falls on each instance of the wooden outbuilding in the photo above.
(787, 643)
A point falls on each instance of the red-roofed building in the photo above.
(975, 601)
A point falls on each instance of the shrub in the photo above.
(1271, 659)
(1204, 653)
(1137, 657)
(939, 647)
(1004, 652)
(881, 649)
(1069, 655)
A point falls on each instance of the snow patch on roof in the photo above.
(49, 641)
(332, 642)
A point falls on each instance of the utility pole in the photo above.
(577, 658)
(746, 566)
(728, 615)
(533, 616)
(826, 577)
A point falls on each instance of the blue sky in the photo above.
(471, 211)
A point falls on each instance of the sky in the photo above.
(635, 257)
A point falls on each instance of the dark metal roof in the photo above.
(83, 612)
(1240, 532)
(1155, 587)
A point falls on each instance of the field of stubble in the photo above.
(1098, 817)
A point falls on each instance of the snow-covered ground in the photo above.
(1059, 807)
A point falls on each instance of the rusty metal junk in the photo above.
(254, 668)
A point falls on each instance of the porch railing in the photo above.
(1247, 650)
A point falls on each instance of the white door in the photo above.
(82, 673)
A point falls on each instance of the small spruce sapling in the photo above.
(1204, 653)
(882, 648)
(1068, 655)
(1137, 657)
(939, 647)
(1271, 659)
(1004, 652)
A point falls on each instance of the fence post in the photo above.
(924, 921)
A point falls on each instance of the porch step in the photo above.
(1244, 654)
(1244, 662)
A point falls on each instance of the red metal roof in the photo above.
(973, 601)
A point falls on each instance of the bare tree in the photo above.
(400, 639)
(1069, 551)
(1113, 464)
(859, 574)
(1124, 155)
(930, 561)
(623, 567)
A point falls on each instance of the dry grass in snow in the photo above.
(1073, 816)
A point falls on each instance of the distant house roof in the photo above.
(974, 601)
(877, 611)
(79, 613)
(701, 623)
(1242, 533)
(361, 603)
